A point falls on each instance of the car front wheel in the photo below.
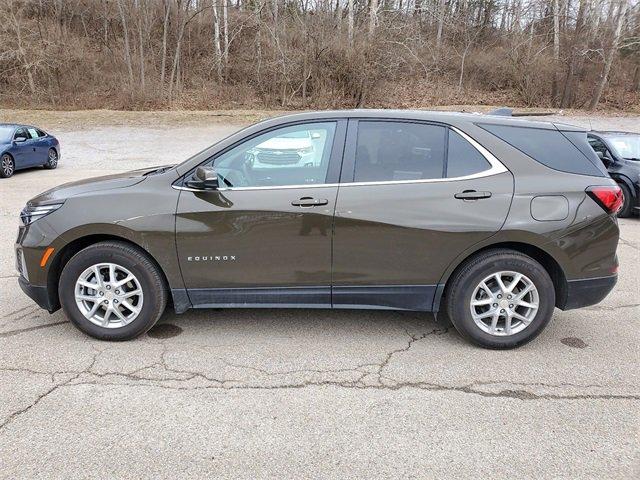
(112, 291)
(500, 299)
(7, 166)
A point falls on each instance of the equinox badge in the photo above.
(213, 258)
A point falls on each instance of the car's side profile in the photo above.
(24, 146)
(620, 153)
(490, 221)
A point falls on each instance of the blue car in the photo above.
(23, 146)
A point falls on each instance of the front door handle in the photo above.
(472, 195)
(309, 202)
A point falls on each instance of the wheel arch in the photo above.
(548, 262)
(621, 178)
(61, 258)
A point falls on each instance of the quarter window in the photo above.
(296, 155)
(549, 147)
(388, 151)
(462, 158)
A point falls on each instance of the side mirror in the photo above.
(205, 178)
(315, 135)
(605, 158)
(19, 139)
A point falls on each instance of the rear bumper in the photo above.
(38, 294)
(588, 291)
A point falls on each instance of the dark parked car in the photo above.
(23, 146)
(620, 153)
(492, 221)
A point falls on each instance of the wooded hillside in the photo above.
(319, 53)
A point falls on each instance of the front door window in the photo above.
(295, 155)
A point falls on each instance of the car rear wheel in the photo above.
(500, 299)
(112, 291)
(7, 166)
(52, 159)
(627, 206)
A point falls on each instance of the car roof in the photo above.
(425, 115)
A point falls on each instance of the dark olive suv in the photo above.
(490, 221)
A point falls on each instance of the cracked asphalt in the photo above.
(305, 393)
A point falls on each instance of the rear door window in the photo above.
(393, 151)
(549, 147)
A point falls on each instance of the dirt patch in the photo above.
(89, 119)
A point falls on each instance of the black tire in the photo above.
(7, 166)
(467, 277)
(627, 206)
(139, 264)
(52, 159)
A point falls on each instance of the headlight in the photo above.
(304, 150)
(31, 213)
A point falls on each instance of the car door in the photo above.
(412, 197)
(264, 236)
(21, 148)
(39, 146)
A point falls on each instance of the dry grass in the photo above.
(87, 119)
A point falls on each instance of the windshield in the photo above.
(5, 133)
(626, 146)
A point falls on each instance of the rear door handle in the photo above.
(309, 202)
(472, 195)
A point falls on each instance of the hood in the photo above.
(107, 182)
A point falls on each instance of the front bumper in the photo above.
(585, 292)
(38, 294)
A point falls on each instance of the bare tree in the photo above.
(298, 54)
(604, 77)
(125, 35)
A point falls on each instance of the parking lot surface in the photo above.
(305, 393)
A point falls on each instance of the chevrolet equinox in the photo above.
(489, 221)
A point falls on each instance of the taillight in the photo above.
(609, 197)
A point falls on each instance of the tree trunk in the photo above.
(373, 16)
(556, 49)
(622, 10)
(226, 31)
(141, 52)
(127, 47)
(165, 28)
(350, 23)
(441, 7)
(216, 38)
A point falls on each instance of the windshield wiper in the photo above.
(632, 158)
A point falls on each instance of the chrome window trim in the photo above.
(496, 168)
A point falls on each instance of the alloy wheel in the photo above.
(109, 295)
(7, 165)
(53, 158)
(504, 303)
